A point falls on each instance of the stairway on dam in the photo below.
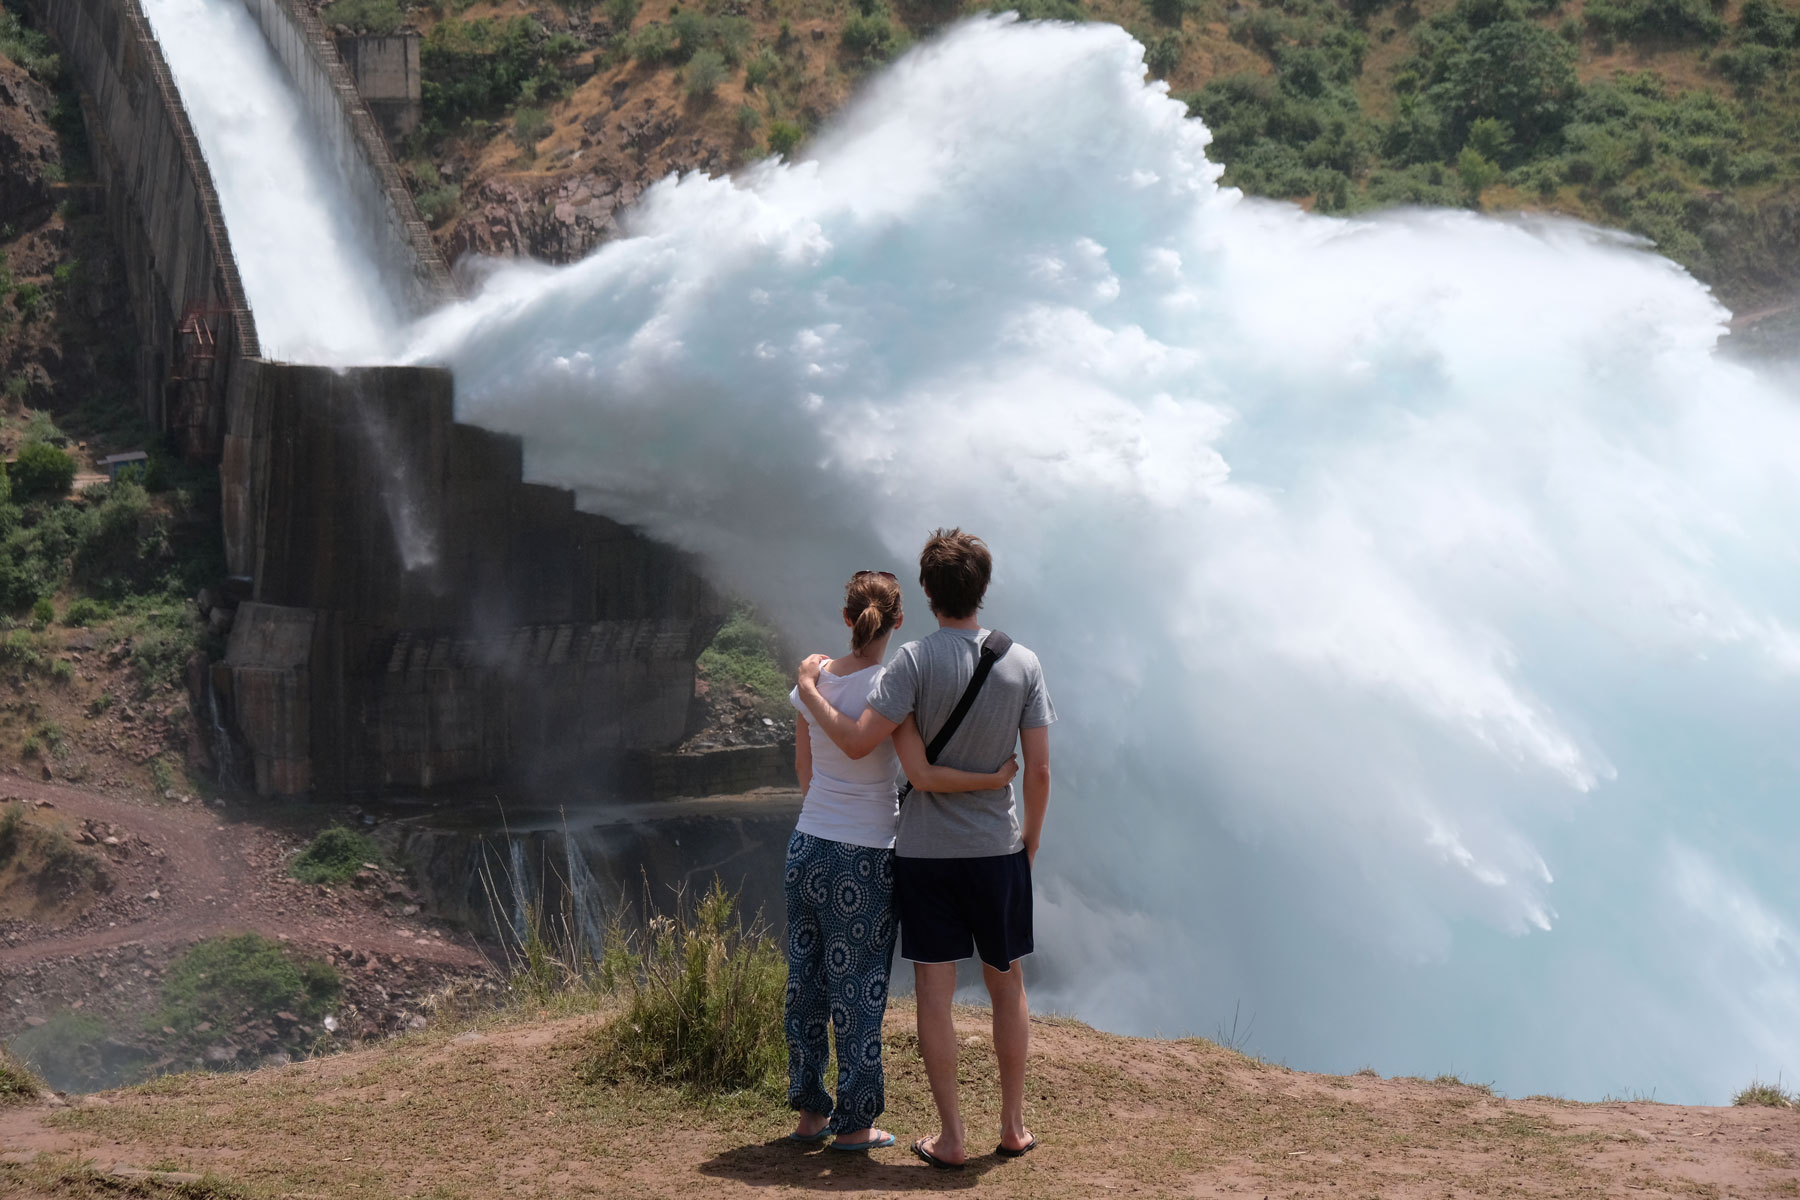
(413, 617)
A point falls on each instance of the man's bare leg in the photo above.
(1012, 1042)
(935, 985)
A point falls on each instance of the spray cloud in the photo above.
(1418, 591)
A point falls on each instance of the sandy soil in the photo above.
(500, 1111)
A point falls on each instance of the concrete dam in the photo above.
(413, 620)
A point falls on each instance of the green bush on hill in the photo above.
(481, 68)
(41, 470)
(334, 856)
(705, 72)
(30, 48)
(1490, 82)
(365, 16)
(743, 654)
(221, 979)
(1656, 20)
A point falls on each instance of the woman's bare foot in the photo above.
(858, 1137)
(811, 1124)
(941, 1147)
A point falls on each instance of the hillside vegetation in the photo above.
(1675, 119)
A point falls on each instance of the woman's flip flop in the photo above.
(880, 1143)
(810, 1139)
(1021, 1152)
(919, 1149)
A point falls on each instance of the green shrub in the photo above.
(783, 137)
(43, 612)
(621, 13)
(62, 672)
(744, 653)
(703, 1004)
(222, 979)
(479, 69)
(760, 69)
(27, 299)
(748, 118)
(705, 72)
(530, 126)
(19, 649)
(12, 820)
(365, 16)
(1163, 54)
(30, 48)
(652, 45)
(1766, 23)
(42, 470)
(85, 611)
(1172, 12)
(871, 36)
(438, 203)
(334, 856)
(1656, 20)
(164, 632)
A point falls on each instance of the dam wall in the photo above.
(350, 131)
(405, 612)
(420, 617)
(164, 216)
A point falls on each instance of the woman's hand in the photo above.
(1007, 770)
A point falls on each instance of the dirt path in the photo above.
(217, 874)
(503, 1111)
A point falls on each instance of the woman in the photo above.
(840, 884)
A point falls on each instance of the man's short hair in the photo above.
(954, 569)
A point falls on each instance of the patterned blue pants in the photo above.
(840, 943)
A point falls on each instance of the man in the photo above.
(962, 866)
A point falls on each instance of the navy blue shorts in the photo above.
(953, 908)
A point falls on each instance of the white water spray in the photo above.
(1418, 592)
(308, 270)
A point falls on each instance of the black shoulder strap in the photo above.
(993, 649)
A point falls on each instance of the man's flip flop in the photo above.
(880, 1143)
(919, 1149)
(1021, 1152)
(810, 1139)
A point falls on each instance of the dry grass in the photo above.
(497, 1107)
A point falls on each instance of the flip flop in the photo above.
(880, 1143)
(919, 1149)
(1021, 1152)
(810, 1139)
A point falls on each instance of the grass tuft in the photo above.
(17, 1084)
(1767, 1095)
(703, 1003)
(334, 856)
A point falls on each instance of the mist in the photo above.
(1418, 590)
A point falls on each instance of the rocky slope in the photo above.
(1674, 120)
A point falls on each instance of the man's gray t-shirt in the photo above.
(927, 678)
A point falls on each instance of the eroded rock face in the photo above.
(27, 147)
(560, 215)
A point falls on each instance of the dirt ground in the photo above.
(175, 873)
(499, 1110)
